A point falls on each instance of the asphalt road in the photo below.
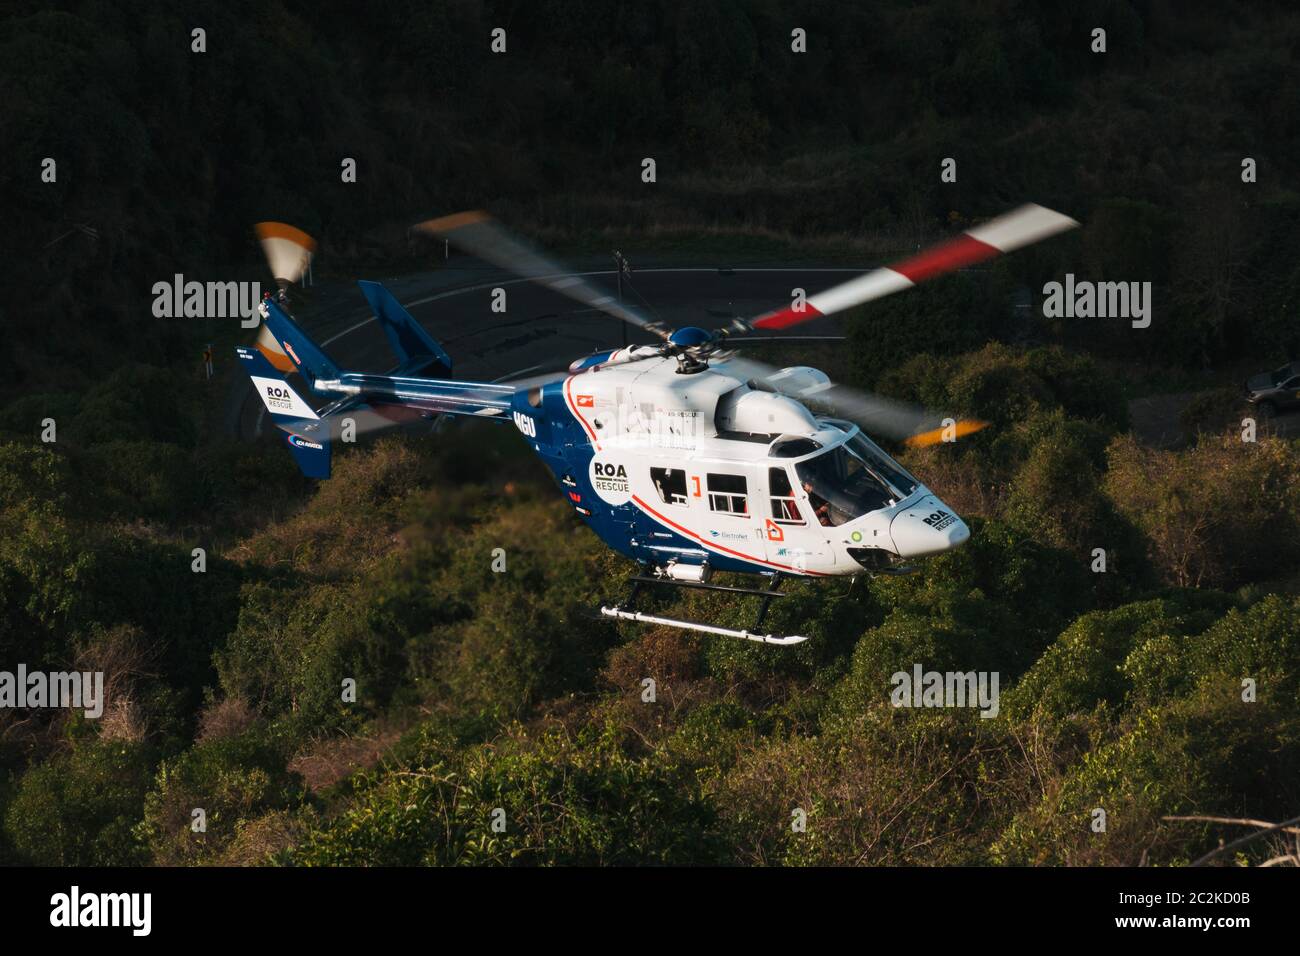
(540, 330)
(1157, 420)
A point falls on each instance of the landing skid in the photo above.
(627, 612)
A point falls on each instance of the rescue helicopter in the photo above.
(682, 455)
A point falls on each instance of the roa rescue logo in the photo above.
(938, 520)
(610, 481)
(277, 397)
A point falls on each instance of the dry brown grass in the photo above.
(257, 840)
(123, 720)
(228, 717)
(339, 533)
(663, 656)
(125, 656)
(330, 760)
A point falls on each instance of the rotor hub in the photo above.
(690, 337)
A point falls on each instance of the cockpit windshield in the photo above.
(894, 474)
(852, 479)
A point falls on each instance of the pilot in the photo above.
(821, 508)
(262, 309)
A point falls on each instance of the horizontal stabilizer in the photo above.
(416, 350)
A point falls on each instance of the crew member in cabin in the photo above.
(821, 508)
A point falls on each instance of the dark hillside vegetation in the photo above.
(478, 690)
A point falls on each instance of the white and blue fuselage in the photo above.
(701, 468)
(684, 468)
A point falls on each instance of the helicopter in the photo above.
(682, 455)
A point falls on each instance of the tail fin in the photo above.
(416, 350)
(305, 354)
(307, 434)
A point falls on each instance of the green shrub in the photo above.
(1218, 514)
(233, 780)
(560, 801)
(1261, 642)
(80, 809)
(1207, 754)
(1088, 666)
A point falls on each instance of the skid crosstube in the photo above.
(627, 612)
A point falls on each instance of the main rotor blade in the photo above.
(748, 340)
(288, 250)
(899, 420)
(1018, 228)
(481, 235)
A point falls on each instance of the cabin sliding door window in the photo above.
(670, 483)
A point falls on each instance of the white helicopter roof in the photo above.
(707, 414)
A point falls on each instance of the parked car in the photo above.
(1275, 391)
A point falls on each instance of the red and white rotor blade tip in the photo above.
(1015, 229)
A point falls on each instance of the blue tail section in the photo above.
(397, 398)
(305, 354)
(306, 433)
(312, 452)
(415, 349)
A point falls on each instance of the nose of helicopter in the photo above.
(928, 527)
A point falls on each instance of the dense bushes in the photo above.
(1219, 514)
(506, 695)
(80, 809)
(1209, 753)
(879, 98)
(1010, 386)
(553, 800)
(477, 689)
(231, 780)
